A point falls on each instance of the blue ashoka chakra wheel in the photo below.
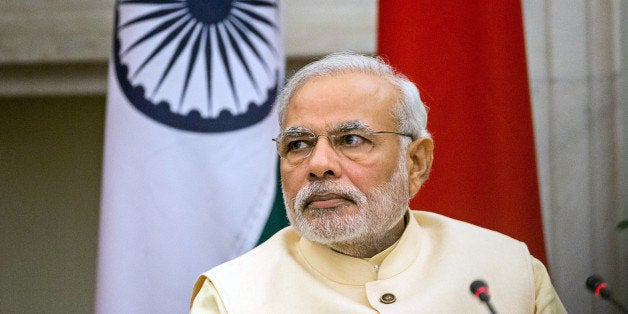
(202, 66)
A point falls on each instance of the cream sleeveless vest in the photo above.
(429, 271)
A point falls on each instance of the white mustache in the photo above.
(305, 195)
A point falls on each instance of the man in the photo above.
(354, 150)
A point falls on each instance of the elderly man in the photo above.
(354, 150)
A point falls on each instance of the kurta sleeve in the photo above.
(547, 301)
(205, 298)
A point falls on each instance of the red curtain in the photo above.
(468, 59)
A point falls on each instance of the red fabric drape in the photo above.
(468, 59)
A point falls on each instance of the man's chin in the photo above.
(327, 226)
(319, 235)
(316, 212)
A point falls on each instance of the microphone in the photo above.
(479, 288)
(597, 285)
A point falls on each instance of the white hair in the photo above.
(410, 112)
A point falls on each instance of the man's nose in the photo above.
(324, 161)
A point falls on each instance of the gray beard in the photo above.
(378, 210)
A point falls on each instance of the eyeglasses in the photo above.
(296, 146)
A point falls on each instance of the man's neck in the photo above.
(371, 246)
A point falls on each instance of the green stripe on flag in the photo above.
(277, 218)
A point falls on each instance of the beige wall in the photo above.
(50, 160)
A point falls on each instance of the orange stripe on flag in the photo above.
(468, 58)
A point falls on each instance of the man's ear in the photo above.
(419, 159)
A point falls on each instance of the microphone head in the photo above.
(480, 289)
(597, 285)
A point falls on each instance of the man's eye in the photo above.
(296, 145)
(352, 140)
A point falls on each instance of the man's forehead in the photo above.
(356, 83)
(339, 101)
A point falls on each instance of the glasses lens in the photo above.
(295, 148)
(354, 145)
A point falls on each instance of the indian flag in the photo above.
(190, 172)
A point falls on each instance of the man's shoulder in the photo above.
(455, 231)
(281, 246)
(245, 279)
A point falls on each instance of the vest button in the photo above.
(388, 298)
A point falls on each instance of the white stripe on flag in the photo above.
(184, 192)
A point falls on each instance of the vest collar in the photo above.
(347, 270)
